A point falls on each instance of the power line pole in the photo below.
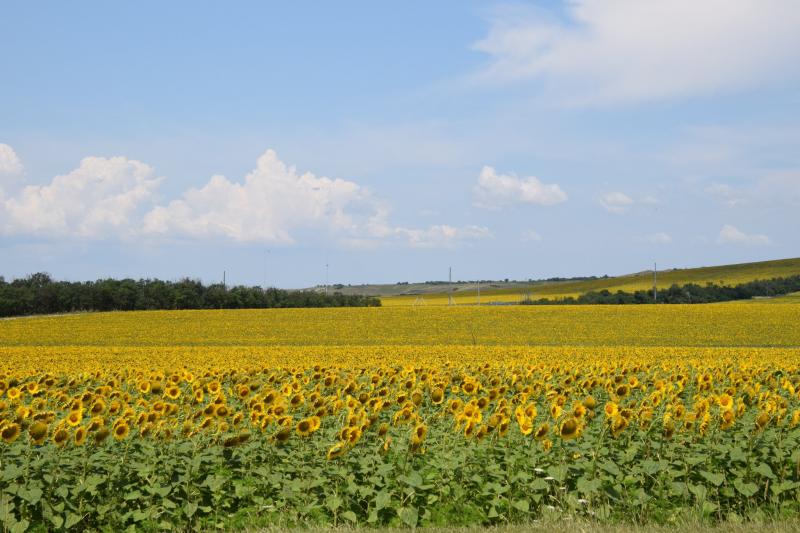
(479, 292)
(326, 278)
(224, 285)
(655, 291)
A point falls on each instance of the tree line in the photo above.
(691, 293)
(40, 294)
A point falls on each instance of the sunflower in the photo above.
(101, 435)
(725, 402)
(418, 435)
(618, 425)
(542, 431)
(173, 392)
(336, 451)
(60, 436)
(304, 428)
(38, 432)
(611, 409)
(763, 420)
(728, 418)
(570, 429)
(437, 395)
(283, 434)
(525, 425)
(121, 430)
(74, 418)
(455, 405)
(589, 402)
(10, 432)
(13, 393)
(80, 436)
(143, 386)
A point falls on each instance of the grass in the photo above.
(722, 275)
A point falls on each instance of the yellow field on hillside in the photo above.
(732, 324)
(721, 275)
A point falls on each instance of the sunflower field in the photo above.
(174, 436)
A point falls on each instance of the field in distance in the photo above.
(729, 324)
(466, 293)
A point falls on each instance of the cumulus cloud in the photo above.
(775, 188)
(658, 238)
(604, 52)
(731, 235)
(272, 200)
(442, 235)
(101, 198)
(531, 236)
(616, 202)
(494, 190)
(116, 198)
(9, 162)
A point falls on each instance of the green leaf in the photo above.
(382, 500)
(409, 516)
(56, 520)
(31, 495)
(611, 468)
(71, 520)
(413, 479)
(349, 515)
(714, 478)
(20, 527)
(333, 502)
(190, 508)
(558, 472)
(521, 505)
(765, 470)
(746, 489)
(538, 485)
(588, 486)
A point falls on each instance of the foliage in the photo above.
(38, 294)
(610, 439)
(686, 294)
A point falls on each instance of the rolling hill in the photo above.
(465, 294)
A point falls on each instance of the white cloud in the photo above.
(531, 236)
(616, 202)
(727, 194)
(494, 190)
(731, 235)
(9, 162)
(272, 200)
(100, 198)
(441, 235)
(773, 189)
(115, 198)
(603, 52)
(658, 238)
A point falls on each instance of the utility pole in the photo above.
(450, 287)
(479, 292)
(326, 277)
(655, 291)
(224, 286)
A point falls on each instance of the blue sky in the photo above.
(518, 140)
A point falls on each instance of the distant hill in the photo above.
(499, 292)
